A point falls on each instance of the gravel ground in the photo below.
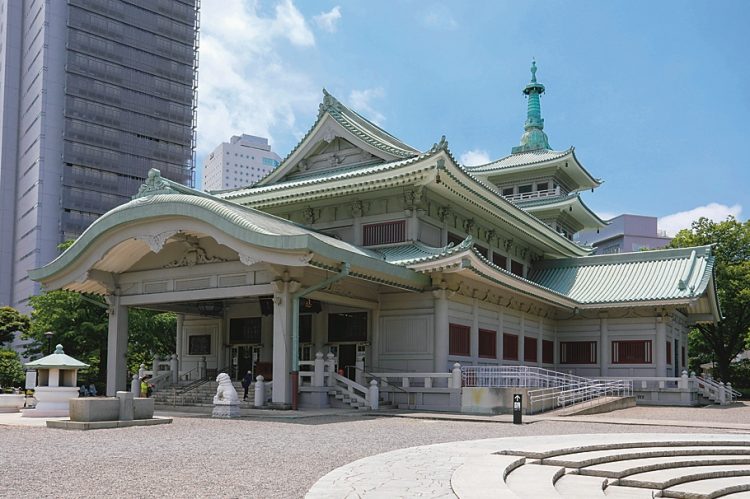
(203, 457)
(734, 413)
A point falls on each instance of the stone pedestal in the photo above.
(226, 411)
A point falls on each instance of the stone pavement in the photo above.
(593, 465)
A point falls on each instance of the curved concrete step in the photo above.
(484, 476)
(627, 467)
(534, 480)
(584, 459)
(578, 486)
(662, 479)
(716, 487)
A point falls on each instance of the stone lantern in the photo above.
(56, 379)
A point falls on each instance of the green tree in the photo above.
(731, 240)
(11, 322)
(11, 369)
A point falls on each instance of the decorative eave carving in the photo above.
(154, 184)
(156, 242)
(194, 255)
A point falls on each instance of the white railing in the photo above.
(353, 389)
(414, 380)
(552, 398)
(533, 195)
(518, 376)
(716, 390)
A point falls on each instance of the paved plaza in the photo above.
(287, 454)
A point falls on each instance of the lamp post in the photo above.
(49, 335)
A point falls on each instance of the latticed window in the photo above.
(529, 349)
(458, 340)
(510, 346)
(631, 352)
(384, 233)
(548, 351)
(487, 343)
(577, 352)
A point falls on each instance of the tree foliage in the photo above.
(11, 322)
(80, 323)
(731, 240)
(11, 369)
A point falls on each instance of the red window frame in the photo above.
(632, 352)
(487, 344)
(510, 346)
(458, 340)
(529, 349)
(500, 260)
(669, 352)
(548, 352)
(516, 268)
(578, 352)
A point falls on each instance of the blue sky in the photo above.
(653, 95)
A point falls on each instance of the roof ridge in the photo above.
(628, 257)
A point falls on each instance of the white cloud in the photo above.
(474, 157)
(361, 101)
(682, 220)
(244, 85)
(439, 18)
(327, 21)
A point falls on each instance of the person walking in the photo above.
(246, 382)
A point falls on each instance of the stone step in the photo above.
(662, 479)
(617, 492)
(596, 406)
(534, 480)
(577, 486)
(626, 467)
(589, 458)
(484, 477)
(716, 487)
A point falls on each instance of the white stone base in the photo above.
(45, 413)
(11, 402)
(226, 411)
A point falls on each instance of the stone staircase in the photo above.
(201, 396)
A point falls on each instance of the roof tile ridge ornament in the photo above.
(329, 103)
(440, 146)
(155, 184)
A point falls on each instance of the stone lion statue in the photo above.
(225, 392)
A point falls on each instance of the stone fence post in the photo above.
(202, 368)
(155, 365)
(359, 375)
(683, 382)
(330, 367)
(456, 376)
(142, 371)
(722, 394)
(319, 369)
(374, 395)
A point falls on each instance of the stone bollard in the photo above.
(729, 392)
(319, 367)
(722, 394)
(456, 376)
(126, 406)
(135, 386)
(141, 371)
(173, 368)
(374, 395)
(260, 392)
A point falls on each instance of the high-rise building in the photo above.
(93, 93)
(625, 233)
(241, 162)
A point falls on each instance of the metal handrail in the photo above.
(380, 380)
(517, 376)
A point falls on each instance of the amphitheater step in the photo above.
(577, 486)
(716, 487)
(484, 477)
(628, 467)
(534, 480)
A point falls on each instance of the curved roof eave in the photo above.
(227, 218)
(570, 200)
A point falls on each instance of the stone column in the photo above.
(117, 346)
(474, 331)
(282, 342)
(660, 353)
(441, 331)
(178, 341)
(604, 355)
(521, 342)
(375, 340)
(540, 345)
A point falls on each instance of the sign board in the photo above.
(517, 408)
(30, 380)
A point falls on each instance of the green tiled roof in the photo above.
(660, 275)
(57, 360)
(416, 252)
(520, 159)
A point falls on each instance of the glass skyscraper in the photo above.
(93, 93)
